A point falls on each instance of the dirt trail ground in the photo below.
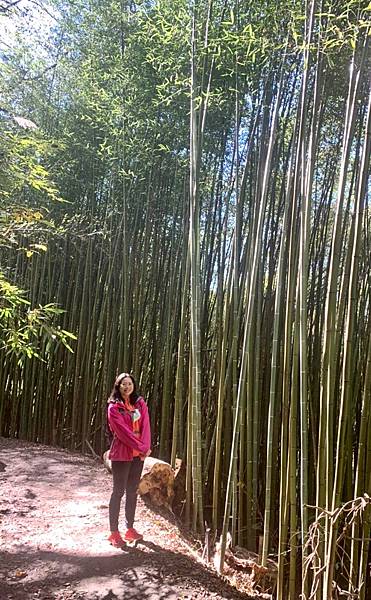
(53, 524)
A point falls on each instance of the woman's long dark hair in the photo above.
(115, 395)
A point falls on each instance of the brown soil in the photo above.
(53, 525)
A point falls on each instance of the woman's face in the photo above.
(126, 387)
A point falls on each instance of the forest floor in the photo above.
(53, 526)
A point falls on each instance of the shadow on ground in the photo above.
(53, 529)
(148, 572)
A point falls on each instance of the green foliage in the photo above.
(340, 25)
(27, 190)
(24, 331)
(111, 82)
(28, 193)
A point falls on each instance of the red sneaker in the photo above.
(132, 535)
(116, 540)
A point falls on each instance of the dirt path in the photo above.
(53, 525)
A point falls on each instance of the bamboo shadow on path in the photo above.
(147, 572)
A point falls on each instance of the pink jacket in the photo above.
(124, 440)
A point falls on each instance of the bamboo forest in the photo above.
(184, 196)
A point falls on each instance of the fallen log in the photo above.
(263, 578)
(106, 461)
(159, 482)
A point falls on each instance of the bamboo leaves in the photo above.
(216, 159)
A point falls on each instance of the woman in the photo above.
(128, 421)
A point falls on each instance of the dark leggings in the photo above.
(126, 477)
